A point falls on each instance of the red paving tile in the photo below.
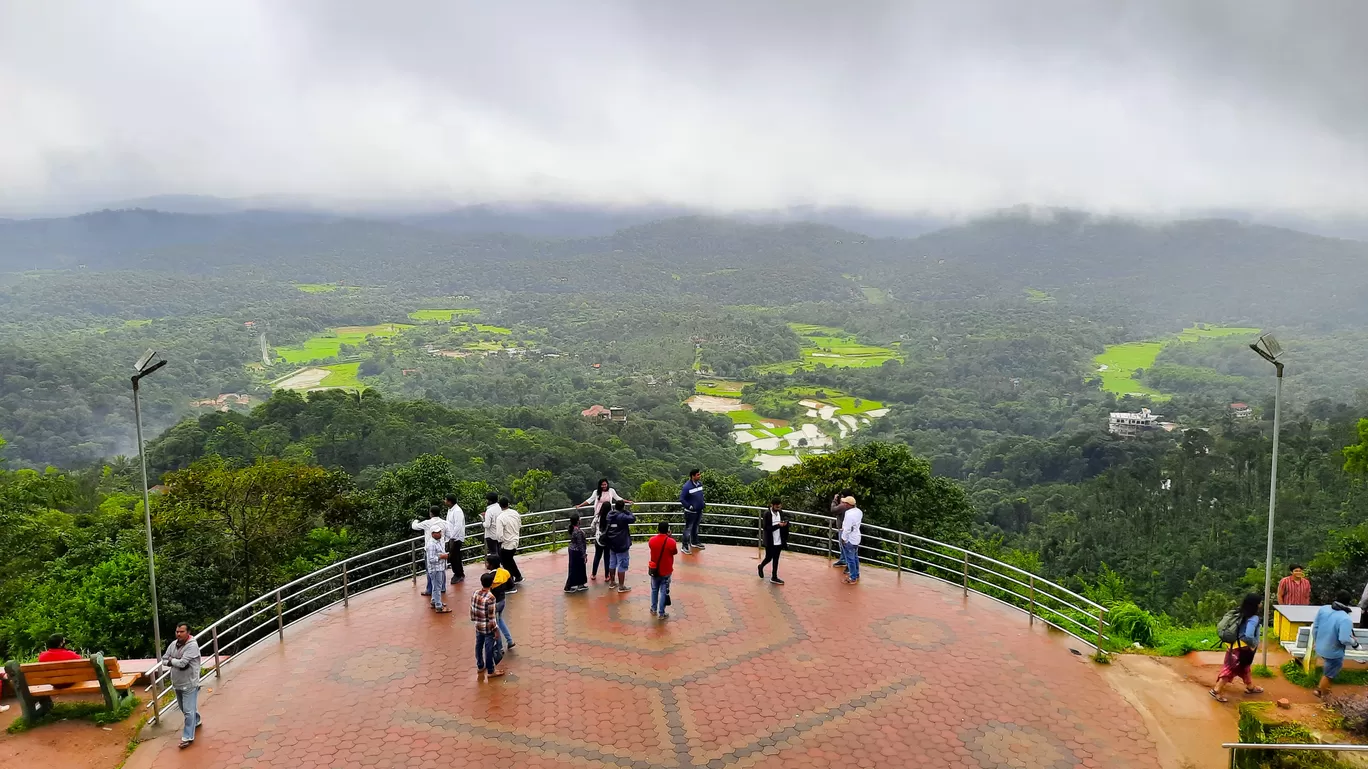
(747, 674)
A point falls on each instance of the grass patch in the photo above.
(1176, 641)
(875, 295)
(317, 288)
(329, 343)
(1122, 360)
(1036, 295)
(443, 316)
(721, 389)
(831, 346)
(343, 375)
(88, 711)
(137, 323)
(1292, 671)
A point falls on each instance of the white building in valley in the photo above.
(1129, 423)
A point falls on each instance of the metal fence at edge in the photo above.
(268, 615)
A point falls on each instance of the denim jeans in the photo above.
(851, 555)
(188, 700)
(484, 652)
(503, 628)
(660, 591)
(691, 521)
(437, 583)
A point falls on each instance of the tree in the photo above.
(405, 493)
(529, 491)
(1356, 456)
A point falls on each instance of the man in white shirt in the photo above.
(510, 530)
(455, 537)
(435, 522)
(850, 540)
(491, 522)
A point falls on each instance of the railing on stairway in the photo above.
(271, 614)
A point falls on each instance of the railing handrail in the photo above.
(378, 555)
(1287, 746)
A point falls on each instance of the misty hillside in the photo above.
(1197, 269)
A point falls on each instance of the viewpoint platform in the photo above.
(893, 672)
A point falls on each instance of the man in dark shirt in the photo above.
(691, 499)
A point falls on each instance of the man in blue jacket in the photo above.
(691, 499)
(1334, 632)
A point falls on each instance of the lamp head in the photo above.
(146, 358)
(1268, 348)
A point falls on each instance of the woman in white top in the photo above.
(604, 493)
(774, 534)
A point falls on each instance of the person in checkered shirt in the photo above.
(485, 614)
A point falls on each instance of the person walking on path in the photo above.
(455, 538)
(1240, 652)
(850, 540)
(491, 522)
(577, 580)
(599, 530)
(435, 522)
(662, 549)
(619, 544)
(484, 612)
(1333, 632)
(774, 533)
(183, 658)
(1295, 588)
(435, 556)
(838, 510)
(57, 650)
(500, 583)
(604, 493)
(691, 499)
(510, 532)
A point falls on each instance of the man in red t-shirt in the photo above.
(57, 651)
(662, 549)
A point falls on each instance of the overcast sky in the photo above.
(949, 106)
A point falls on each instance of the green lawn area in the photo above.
(329, 343)
(343, 375)
(443, 316)
(875, 295)
(1122, 360)
(831, 347)
(720, 388)
(317, 288)
(137, 323)
(1036, 295)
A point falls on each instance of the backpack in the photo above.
(1228, 629)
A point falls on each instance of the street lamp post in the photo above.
(145, 367)
(1268, 348)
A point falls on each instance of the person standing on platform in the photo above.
(484, 612)
(604, 493)
(1294, 589)
(455, 538)
(434, 522)
(774, 533)
(662, 549)
(577, 580)
(620, 544)
(838, 509)
(491, 521)
(435, 556)
(1333, 632)
(850, 540)
(510, 532)
(500, 583)
(599, 530)
(691, 499)
(183, 658)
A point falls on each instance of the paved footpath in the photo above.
(889, 673)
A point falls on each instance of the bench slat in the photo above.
(63, 675)
(89, 687)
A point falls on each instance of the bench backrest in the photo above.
(1361, 635)
(1303, 637)
(66, 673)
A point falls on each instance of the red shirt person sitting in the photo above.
(57, 651)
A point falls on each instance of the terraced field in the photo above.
(329, 343)
(830, 346)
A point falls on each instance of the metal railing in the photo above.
(269, 615)
(1236, 747)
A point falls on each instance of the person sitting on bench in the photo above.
(57, 650)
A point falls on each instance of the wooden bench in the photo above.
(1297, 648)
(36, 683)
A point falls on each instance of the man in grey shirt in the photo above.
(182, 657)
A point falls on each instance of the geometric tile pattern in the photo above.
(889, 673)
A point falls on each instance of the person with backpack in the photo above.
(619, 537)
(691, 499)
(1333, 632)
(662, 549)
(774, 533)
(1239, 629)
(579, 554)
(599, 532)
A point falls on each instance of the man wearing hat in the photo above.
(850, 540)
(1334, 632)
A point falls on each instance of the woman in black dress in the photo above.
(774, 533)
(579, 556)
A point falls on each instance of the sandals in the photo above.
(1255, 690)
(186, 743)
(1216, 696)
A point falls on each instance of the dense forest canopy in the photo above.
(460, 361)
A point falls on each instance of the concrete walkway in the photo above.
(888, 673)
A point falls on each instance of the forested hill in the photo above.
(1198, 269)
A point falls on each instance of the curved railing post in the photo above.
(966, 573)
(280, 617)
(346, 585)
(1033, 606)
(218, 666)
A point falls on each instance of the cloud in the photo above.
(893, 106)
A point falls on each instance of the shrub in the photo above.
(1134, 623)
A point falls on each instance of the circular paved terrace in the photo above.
(813, 673)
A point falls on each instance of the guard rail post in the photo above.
(900, 555)
(1033, 605)
(966, 573)
(1101, 621)
(413, 563)
(345, 585)
(280, 617)
(217, 663)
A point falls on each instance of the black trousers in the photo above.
(600, 552)
(506, 561)
(492, 546)
(454, 558)
(577, 577)
(772, 552)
